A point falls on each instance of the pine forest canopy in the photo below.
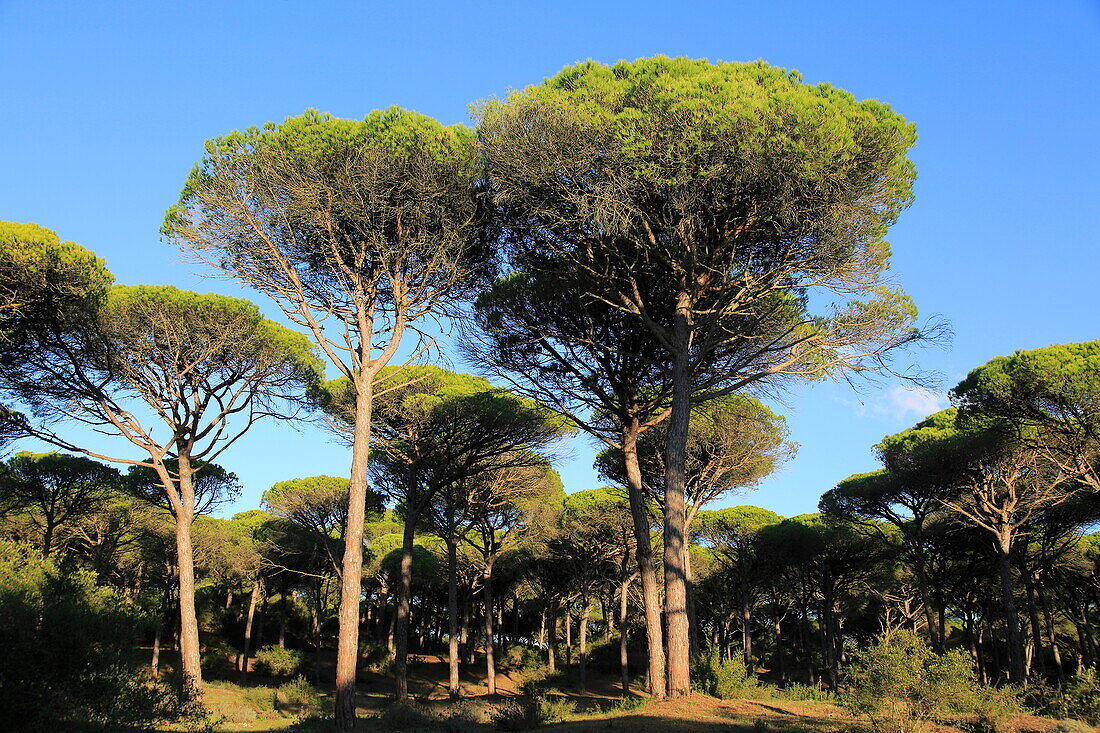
(637, 251)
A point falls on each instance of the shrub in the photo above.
(722, 678)
(542, 681)
(899, 683)
(1079, 698)
(407, 716)
(297, 696)
(374, 656)
(521, 659)
(67, 651)
(276, 661)
(553, 709)
(217, 658)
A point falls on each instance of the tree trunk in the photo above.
(1012, 621)
(257, 589)
(282, 617)
(624, 657)
(676, 617)
(189, 625)
(1036, 629)
(746, 635)
(487, 590)
(647, 569)
(351, 577)
(586, 612)
(401, 614)
(551, 648)
(453, 689)
(926, 598)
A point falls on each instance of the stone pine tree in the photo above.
(550, 341)
(180, 376)
(360, 231)
(709, 202)
(437, 433)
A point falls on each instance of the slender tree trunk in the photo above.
(926, 598)
(351, 577)
(586, 612)
(1036, 628)
(189, 625)
(282, 616)
(647, 569)
(1052, 637)
(154, 666)
(568, 620)
(676, 616)
(1012, 621)
(551, 648)
(453, 688)
(624, 657)
(401, 614)
(317, 634)
(746, 635)
(487, 590)
(779, 668)
(257, 589)
(464, 636)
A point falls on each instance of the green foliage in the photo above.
(297, 696)
(67, 649)
(277, 661)
(217, 657)
(534, 712)
(1079, 698)
(899, 683)
(726, 679)
(374, 655)
(407, 716)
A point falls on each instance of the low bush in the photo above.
(801, 693)
(407, 716)
(217, 658)
(297, 697)
(67, 649)
(1078, 699)
(374, 656)
(275, 661)
(900, 683)
(722, 678)
(542, 681)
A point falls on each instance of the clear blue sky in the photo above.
(106, 106)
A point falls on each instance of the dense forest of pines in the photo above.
(630, 255)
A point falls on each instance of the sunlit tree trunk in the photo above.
(647, 569)
(351, 576)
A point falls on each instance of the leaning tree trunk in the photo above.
(257, 589)
(487, 598)
(676, 618)
(647, 569)
(351, 578)
(401, 614)
(453, 688)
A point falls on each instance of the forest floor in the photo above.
(599, 708)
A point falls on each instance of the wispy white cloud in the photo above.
(900, 402)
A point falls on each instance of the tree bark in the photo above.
(487, 591)
(351, 577)
(1012, 621)
(676, 617)
(586, 613)
(647, 569)
(453, 689)
(624, 657)
(257, 589)
(189, 626)
(401, 614)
